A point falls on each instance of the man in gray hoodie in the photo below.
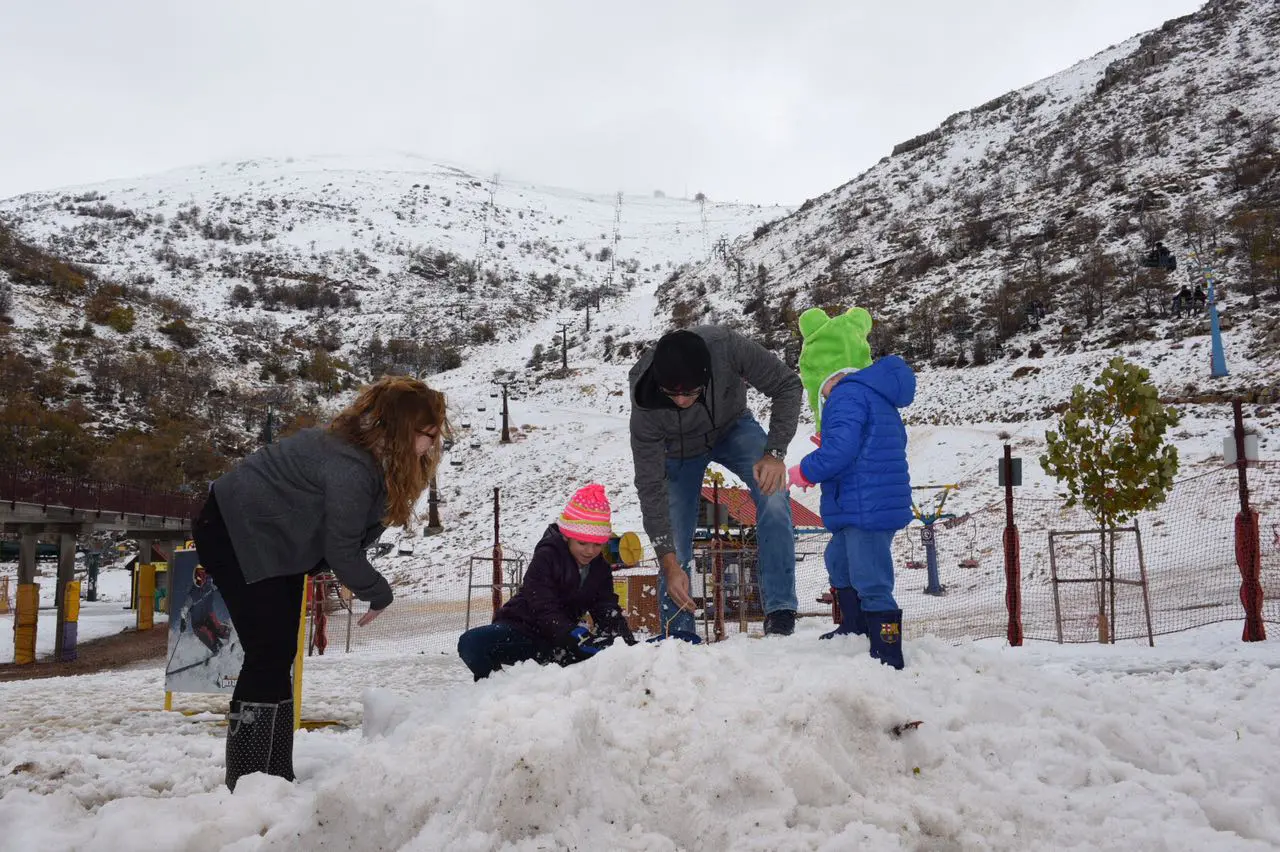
(689, 408)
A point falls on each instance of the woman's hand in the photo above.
(369, 616)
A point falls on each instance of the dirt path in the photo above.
(96, 655)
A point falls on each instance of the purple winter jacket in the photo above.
(553, 597)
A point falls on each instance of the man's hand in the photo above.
(370, 616)
(677, 583)
(771, 475)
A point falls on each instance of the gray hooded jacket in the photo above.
(661, 430)
(310, 499)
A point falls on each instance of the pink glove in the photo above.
(795, 477)
(816, 438)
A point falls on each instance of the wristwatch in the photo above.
(776, 453)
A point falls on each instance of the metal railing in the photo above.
(24, 484)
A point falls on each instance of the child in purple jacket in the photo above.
(567, 578)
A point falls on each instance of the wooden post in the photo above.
(497, 555)
(146, 595)
(297, 657)
(717, 569)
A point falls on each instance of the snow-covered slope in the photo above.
(1050, 194)
(276, 258)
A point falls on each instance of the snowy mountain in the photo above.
(282, 283)
(338, 249)
(217, 294)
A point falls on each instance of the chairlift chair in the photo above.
(1159, 257)
(971, 561)
(913, 564)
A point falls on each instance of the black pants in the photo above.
(265, 614)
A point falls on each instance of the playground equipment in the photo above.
(623, 551)
(928, 518)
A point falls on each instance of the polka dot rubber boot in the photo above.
(259, 739)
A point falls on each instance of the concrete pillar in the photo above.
(27, 558)
(66, 573)
(26, 616)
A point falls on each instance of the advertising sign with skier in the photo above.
(204, 651)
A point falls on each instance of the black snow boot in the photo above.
(884, 629)
(259, 739)
(851, 618)
(780, 622)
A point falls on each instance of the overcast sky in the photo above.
(735, 98)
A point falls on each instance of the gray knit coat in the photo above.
(309, 500)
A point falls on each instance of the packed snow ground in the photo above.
(780, 744)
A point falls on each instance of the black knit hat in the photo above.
(681, 362)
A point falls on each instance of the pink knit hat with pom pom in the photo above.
(586, 517)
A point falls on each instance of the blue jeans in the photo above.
(738, 450)
(863, 560)
(487, 649)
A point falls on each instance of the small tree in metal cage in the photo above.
(1111, 453)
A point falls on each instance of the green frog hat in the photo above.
(831, 344)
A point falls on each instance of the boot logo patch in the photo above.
(889, 633)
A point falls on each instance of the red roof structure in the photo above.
(742, 509)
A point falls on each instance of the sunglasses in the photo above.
(683, 393)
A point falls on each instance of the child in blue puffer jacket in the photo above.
(861, 463)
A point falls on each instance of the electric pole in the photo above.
(564, 346)
(502, 381)
(702, 211)
(617, 238)
(434, 527)
(489, 208)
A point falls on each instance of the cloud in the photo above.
(735, 98)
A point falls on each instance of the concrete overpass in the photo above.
(35, 505)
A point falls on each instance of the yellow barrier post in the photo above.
(4, 595)
(71, 617)
(297, 659)
(24, 623)
(146, 596)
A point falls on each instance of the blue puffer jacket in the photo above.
(862, 463)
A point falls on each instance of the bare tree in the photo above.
(1092, 285)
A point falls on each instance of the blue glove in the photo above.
(584, 637)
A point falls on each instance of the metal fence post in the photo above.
(1248, 542)
(1012, 556)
